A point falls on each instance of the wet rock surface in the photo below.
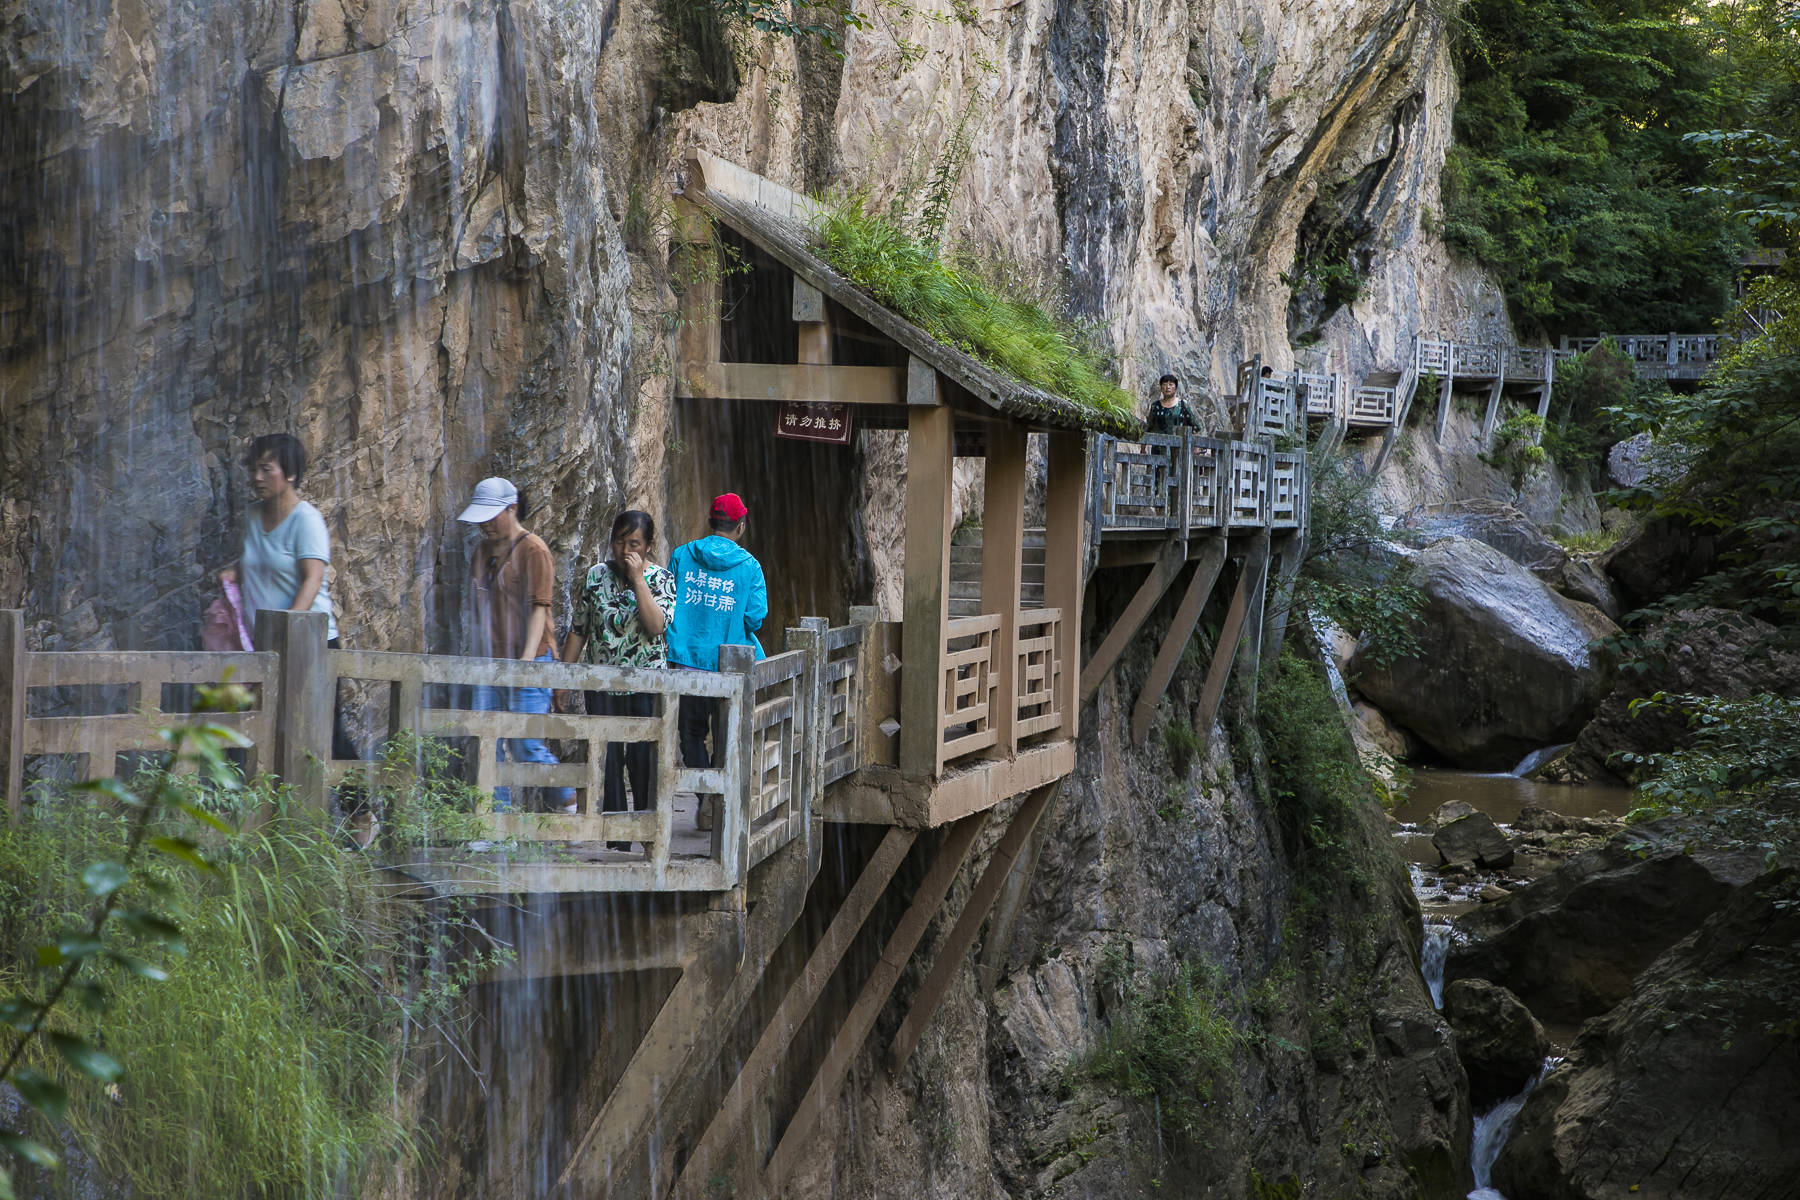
(1500, 1044)
(1570, 944)
(1505, 664)
(1691, 1086)
(1473, 838)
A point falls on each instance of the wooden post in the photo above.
(930, 457)
(731, 832)
(1168, 656)
(810, 316)
(13, 694)
(929, 897)
(810, 637)
(303, 707)
(968, 923)
(1446, 388)
(699, 339)
(1065, 497)
(1002, 543)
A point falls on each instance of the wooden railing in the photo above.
(1372, 405)
(1037, 670)
(1229, 485)
(1658, 355)
(789, 725)
(148, 693)
(967, 722)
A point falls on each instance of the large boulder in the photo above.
(1497, 524)
(1689, 1088)
(1570, 944)
(1505, 665)
(1706, 651)
(1501, 1045)
(1473, 838)
(1659, 556)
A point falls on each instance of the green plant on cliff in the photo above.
(273, 1058)
(1314, 771)
(952, 301)
(1517, 450)
(1170, 1043)
(1347, 573)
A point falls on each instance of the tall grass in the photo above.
(273, 1058)
(952, 303)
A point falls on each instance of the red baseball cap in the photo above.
(730, 506)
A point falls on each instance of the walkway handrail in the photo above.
(793, 720)
(1230, 485)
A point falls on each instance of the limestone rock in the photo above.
(1570, 944)
(1657, 557)
(1640, 459)
(1500, 1043)
(1450, 810)
(1499, 525)
(1388, 737)
(1583, 579)
(1689, 1088)
(1493, 893)
(1473, 838)
(1505, 665)
(1707, 651)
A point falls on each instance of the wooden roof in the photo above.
(776, 219)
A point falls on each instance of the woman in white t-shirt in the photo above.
(286, 547)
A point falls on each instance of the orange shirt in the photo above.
(505, 584)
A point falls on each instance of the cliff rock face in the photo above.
(378, 224)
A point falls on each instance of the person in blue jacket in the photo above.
(720, 600)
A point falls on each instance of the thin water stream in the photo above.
(1503, 798)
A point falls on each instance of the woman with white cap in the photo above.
(510, 580)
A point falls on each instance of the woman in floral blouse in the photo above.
(621, 617)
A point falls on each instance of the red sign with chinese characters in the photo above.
(814, 422)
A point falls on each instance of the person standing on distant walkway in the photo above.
(721, 599)
(1170, 413)
(621, 616)
(510, 580)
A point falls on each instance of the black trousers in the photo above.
(341, 744)
(701, 716)
(636, 760)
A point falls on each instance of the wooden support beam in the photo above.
(1225, 653)
(968, 923)
(1446, 388)
(812, 383)
(700, 335)
(930, 456)
(670, 1061)
(1169, 560)
(958, 840)
(1065, 553)
(13, 693)
(1249, 652)
(1288, 555)
(797, 1003)
(1002, 568)
(1206, 573)
(1013, 896)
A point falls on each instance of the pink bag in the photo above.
(222, 628)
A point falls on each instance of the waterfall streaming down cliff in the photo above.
(1431, 959)
(1492, 1128)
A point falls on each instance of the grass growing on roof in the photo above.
(876, 252)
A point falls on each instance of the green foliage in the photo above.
(1741, 751)
(1182, 744)
(1313, 769)
(1755, 157)
(821, 19)
(1588, 387)
(1570, 179)
(271, 1057)
(1518, 450)
(111, 915)
(1171, 1043)
(416, 785)
(950, 299)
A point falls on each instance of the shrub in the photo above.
(1171, 1043)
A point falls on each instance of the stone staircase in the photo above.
(965, 571)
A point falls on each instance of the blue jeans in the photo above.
(520, 700)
